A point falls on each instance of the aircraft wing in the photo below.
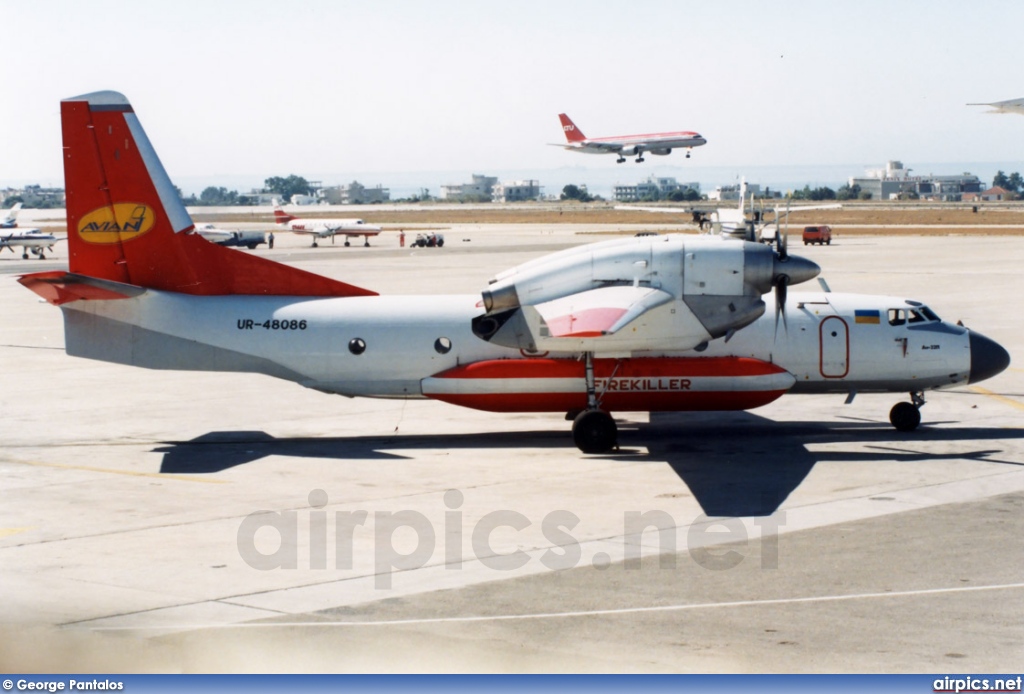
(599, 311)
(584, 146)
(604, 146)
(1010, 106)
(807, 208)
(677, 210)
(320, 233)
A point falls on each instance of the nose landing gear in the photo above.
(906, 416)
(593, 429)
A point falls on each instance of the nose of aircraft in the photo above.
(988, 358)
(796, 268)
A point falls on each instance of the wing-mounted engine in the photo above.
(645, 293)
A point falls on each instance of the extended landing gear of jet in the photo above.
(366, 243)
(593, 429)
(620, 160)
(639, 160)
(346, 243)
(906, 416)
(315, 245)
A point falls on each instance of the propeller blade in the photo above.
(781, 285)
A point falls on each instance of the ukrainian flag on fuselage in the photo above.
(870, 317)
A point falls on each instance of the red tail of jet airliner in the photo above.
(572, 133)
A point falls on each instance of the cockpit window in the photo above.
(902, 316)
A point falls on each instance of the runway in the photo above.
(210, 522)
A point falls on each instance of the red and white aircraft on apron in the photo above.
(324, 228)
(624, 325)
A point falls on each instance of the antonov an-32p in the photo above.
(664, 323)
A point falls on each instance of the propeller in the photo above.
(782, 279)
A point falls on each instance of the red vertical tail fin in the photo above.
(282, 217)
(572, 133)
(126, 222)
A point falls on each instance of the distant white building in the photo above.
(481, 187)
(732, 192)
(654, 187)
(895, 181)
(516, 191)
(35, 196)
(354, 194)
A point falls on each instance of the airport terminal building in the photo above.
(895, 181)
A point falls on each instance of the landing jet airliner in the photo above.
(634, 145)
(623, 325)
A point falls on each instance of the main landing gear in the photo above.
(593, 429)
(906, 416)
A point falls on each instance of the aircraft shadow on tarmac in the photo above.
(734, 463)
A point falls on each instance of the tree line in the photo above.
(283, 186)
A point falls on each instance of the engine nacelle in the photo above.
(661, 151)
(646, 293)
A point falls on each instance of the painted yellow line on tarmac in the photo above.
(131, 473)
(7, 532)
(996, 396)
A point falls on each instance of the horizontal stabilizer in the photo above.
(64, 287)
(599, 311)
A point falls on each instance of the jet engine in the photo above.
(661, 151)
(645, 293)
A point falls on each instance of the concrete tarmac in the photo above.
(204, 522)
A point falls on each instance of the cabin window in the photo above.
(442, 345)
(357, 345)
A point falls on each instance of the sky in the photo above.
(326, 88)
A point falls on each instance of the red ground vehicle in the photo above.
(819, 235)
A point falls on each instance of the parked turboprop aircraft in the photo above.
(623, 325)
(322, 228)
(655, 143)
(737, 222)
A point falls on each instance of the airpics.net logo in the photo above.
(970, 684)
(386, 542)
(122, 221)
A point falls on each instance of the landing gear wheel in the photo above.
(346, 244)
(905, 416)
(315, 245)
(24, 256)
(594, 431)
